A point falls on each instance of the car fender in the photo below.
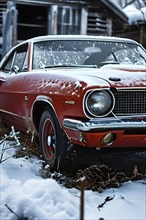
(39, 105)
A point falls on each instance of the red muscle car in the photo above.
(88, 91)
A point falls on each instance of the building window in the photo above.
(69, 20)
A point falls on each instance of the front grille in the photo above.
(130, 102)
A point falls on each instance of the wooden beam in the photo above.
(143, 35)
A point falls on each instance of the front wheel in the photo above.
(53, 141)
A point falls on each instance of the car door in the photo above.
(12, 74)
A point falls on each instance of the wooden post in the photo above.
(82, 186)
(143, 35)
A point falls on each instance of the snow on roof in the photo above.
(135, 15)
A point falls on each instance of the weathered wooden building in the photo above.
(135, 28)
(23, 19)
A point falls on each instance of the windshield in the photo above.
(86, 53)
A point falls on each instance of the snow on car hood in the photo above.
(109, 75)
(124, 75)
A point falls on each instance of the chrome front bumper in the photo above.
(106, 124)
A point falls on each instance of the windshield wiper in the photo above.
(71, 65)
(108, 62)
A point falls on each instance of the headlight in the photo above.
(99, 103)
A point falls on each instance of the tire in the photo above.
(53, 141)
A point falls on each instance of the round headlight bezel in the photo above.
(107, 111)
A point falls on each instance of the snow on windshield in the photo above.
(81, 52)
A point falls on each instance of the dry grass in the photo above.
(96, 177)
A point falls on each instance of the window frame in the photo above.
(12, 58)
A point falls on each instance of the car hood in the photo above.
(124, 75)
(108, 75)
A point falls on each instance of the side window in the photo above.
(20, 59)
(17, 58)
(8, 64)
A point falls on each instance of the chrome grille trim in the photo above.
(130, 102)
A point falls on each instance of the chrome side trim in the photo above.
(106, 124)
(131, 88)
(9, 113)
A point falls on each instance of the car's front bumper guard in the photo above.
(106, 124)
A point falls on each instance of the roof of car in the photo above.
(79, 37)
(74, 37)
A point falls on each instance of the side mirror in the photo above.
(2, 79)
(15, 69)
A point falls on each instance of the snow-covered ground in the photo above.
(24, 193)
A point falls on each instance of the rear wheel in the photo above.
(53, 141)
